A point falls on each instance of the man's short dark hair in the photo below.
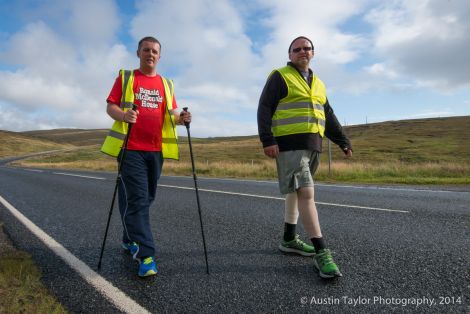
(150, 39)
(300, 37)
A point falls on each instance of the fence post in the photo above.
(329, 157)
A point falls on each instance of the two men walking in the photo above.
(293, 116)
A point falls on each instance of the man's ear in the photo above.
(138, 54)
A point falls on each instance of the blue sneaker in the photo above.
(147, 267)
(132, 248)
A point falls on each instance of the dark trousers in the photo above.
(137, 188)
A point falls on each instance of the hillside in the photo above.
(17, 144)
(77, 137)
(422, 151)
(420, 140)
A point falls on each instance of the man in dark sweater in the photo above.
(293, 117)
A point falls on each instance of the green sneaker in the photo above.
(297, 246)
(323, 261)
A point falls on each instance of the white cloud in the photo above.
(93, 23)
(214, 62)
(425, 39)
(206, 51)
(223, 126)
(381, 69)
(63, 75)
(32, 92)
(40, 50)
(58, 68)
(317, 20)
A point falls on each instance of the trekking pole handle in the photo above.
(134, 107)
(185, 109)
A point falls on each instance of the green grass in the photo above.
(443, 173)
(21, 290)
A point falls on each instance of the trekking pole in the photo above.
(197, 191)
(118, 178)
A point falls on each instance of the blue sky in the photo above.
(380, 60)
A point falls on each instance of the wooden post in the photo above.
(329, 157)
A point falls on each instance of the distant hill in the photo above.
(420, 140)
(77, 137)
(16, 144)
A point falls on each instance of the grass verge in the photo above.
(351, 172)
(21, 290)
(341, 170)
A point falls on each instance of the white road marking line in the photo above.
(328, 185)
(223, 179)
(34, 170)
(282, 198)
(80, 176)
(366, 207)
(383, 188)
(110, 292)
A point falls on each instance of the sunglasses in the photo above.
(306, 49)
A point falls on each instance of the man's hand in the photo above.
(271, 151)
(130, 116)
(348, 152)
(184, 117)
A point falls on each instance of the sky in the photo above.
(380, 60)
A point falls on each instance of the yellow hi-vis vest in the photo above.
(302, 110)
(115, 139)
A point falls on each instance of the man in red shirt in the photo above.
(143, 162)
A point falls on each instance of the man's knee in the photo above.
(305, 193)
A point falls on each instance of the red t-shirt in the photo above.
(149, 97)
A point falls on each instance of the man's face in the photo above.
(297, 54)
(149, 54)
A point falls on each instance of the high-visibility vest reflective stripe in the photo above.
(302, 110)
(127, 98)
(114, 140)
(116, 136)
(169, 135)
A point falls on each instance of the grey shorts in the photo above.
(295, 169)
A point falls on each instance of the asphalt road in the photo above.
(400, 249)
